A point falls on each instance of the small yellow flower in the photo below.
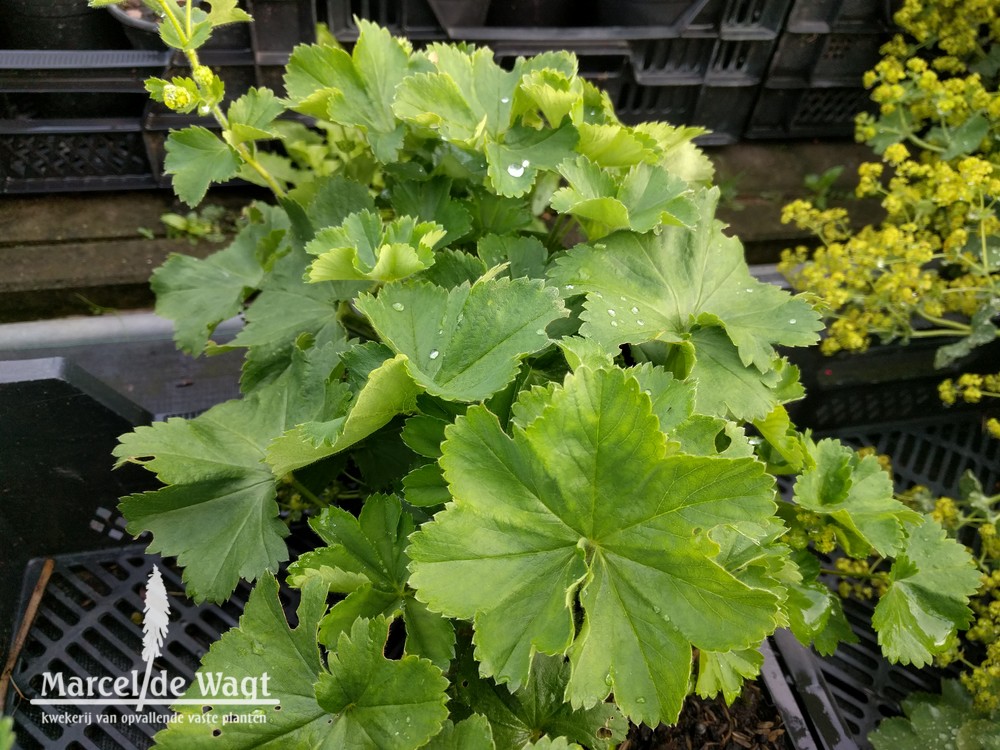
(177, 97)
(896, 153)
(203, 76)
(947, 392)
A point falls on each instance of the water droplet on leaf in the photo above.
(792, 321)
(635, 310)
(612, 313)
(434, 354)
(640, 699)
(515, 171)
(505, 100)
(640, 322)
(398, 306)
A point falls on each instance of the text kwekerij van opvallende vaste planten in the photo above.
(563, 457)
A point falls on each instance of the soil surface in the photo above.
(751, 723)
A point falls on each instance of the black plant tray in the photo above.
(89, 624)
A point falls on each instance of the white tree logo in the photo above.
(156, 619)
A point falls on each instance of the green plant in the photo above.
(210, 223)
(559, 461)
(939, 721)
(974, 517)
(822, 186)
(932, 268)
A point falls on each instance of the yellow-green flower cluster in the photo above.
(969, 387)
(983, 680)
(930, 266)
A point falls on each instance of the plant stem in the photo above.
(917, 141)
(937, 333)
(304, 491)
(944, 322)
(841, 574)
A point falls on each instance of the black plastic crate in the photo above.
(805, 112)
(886, 384)
(69, 155)
(732, 19)
(411, 18)
(721, 109)
(696, 59)
(89, 625)
(278, 26)
(835, 59)
(61, 84)
(825, 16)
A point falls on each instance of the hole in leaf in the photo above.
(722, 441)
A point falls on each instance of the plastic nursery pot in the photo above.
(142, 31)
(57, 24)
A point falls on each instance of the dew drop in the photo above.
(525, 163)
(640, 699)
(792, 321)
(505, 100)
(640, 322)
(515, 171)
(656, 609)
(434, 354)
(570, 287)
(749, 290)
(608, 680)
(614, 323)
(612, 313)
(440, 331)
(204, 109)
(635, 310)
(398, 306)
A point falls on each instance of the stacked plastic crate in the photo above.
(694, 62)
(80, 119)
(813, 86)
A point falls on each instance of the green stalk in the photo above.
(304, 491)
(945, 323)
(918, 141)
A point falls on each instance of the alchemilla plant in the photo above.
(931, 269)
(503, 357)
